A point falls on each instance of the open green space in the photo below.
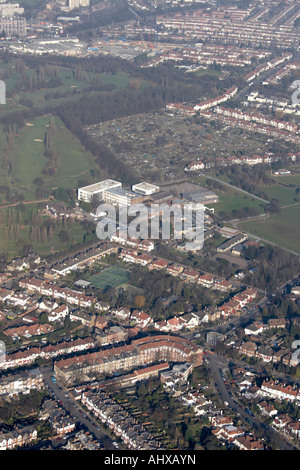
(285, 195)
(71, 89)
(110, 278)
(27, 160)
(24, 226)
(204, 72)
(288, 179)
(231, 200)
(28, 3)
(282, 228)
(45, 85)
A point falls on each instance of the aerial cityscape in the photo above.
(150, 227)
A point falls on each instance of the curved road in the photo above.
(215, 363)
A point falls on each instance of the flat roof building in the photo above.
(15, 25)
(97, 189)
(228, 232)
(121, 197)
(146, 189)
(232, 242)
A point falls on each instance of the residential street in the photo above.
(75, 410)
(215, 364)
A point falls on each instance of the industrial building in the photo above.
(39, 46)
(232, 242)
(68, 5)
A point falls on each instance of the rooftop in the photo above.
(145, 188)
(101, 186)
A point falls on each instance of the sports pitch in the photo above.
(110, 278)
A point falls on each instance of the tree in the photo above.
(139, 301)
(44, 318)
(61, 195)
(38, 181)
(95, 201)
(64, 236)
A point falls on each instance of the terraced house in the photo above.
(17, 438)
(141, 352)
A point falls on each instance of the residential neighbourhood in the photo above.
(149, 227)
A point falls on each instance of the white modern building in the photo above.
(10, 9)
(98, 189)
(14, 25)
(120, 197)
(145, 189)
(69, 5)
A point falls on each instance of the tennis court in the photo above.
(111, 277)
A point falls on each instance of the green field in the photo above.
(288, 179)
(16, 232)
(59, 94)
(283, 194)
(201, 73)
(234, 200)
(110, 278)
(28, 161)
(231, 201)
(64, 87)
(282, 228)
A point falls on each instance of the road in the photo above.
(13, 204)
(215, 364)
(76, 411)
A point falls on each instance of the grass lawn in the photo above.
(232, 200)
(28, 160)
(40, 99)
(15, 233)
(54, 94)
(282, 228)
(288, 179)
(74, 161)
(284, 195)
(27, 156)
(201, 73)
(28, 3)
(12, 246)
(111, 277)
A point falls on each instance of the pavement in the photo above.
(76, 410)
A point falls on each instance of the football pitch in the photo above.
(110, 278)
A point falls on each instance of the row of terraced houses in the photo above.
(139, 353)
